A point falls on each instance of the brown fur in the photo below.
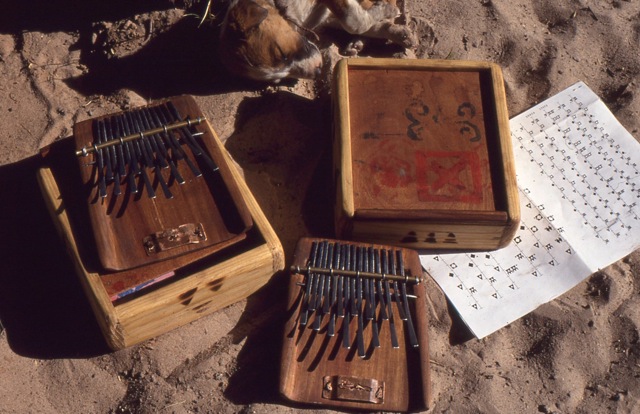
(264, 39)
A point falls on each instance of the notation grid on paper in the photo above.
(579, 192)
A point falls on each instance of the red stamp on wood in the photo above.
(386, 171)
(449, 176)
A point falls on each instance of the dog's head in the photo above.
(257, 42)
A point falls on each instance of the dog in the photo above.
(265, 40)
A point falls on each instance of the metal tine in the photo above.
(396, 291)
(113, 159)
(120, 156)
(108, 175)
(152, 162)
(149, 143)
(392, 325)
(176, 149)
(372, 284)
(319, 291)
(364, 266)
(308, 283)
(380, 292)
(102, 185)
(375, 339)
(143, 155)
(122, 153)
(174, 116)
(413, 339)
(118, 148)
(134, 166)
(157, 141)
(331, 330)
(321, 284)
(360, 328)
(346, 336)
(125, 154)
(107, 161)
(316, 282)
(313, 281)
(139, 155)
(120, 164)
(322, 305)
(340, 283)
(135, 128)
(146, 141)
(185, 133)
(190, 138)
(353, 309)
(328, 280)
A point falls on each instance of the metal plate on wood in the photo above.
(346, 388)
(175, 237)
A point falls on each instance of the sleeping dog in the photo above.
(265, 39)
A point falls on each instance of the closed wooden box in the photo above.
(423, 154)
(208, 280)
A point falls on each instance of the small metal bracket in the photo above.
(353, 389)
(171, 238)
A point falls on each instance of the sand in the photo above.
(63, 61)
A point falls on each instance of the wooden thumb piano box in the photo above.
(159, 223)
(356, 335)
(422, 153)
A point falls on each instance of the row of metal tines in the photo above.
(355, 282)
(118, 161)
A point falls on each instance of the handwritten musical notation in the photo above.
(578, 173)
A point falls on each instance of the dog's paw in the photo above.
(403, 36)
(353, 48)
(382, 10)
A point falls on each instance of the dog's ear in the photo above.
(248, 16)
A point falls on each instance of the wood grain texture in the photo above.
(419, 144)
(418, 140)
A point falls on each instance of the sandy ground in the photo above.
(63, 61)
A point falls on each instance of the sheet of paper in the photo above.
(579, 180)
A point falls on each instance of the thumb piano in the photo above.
(356, 334)
(160, 225)
(125, 157)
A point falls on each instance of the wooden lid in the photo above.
(420, 138)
